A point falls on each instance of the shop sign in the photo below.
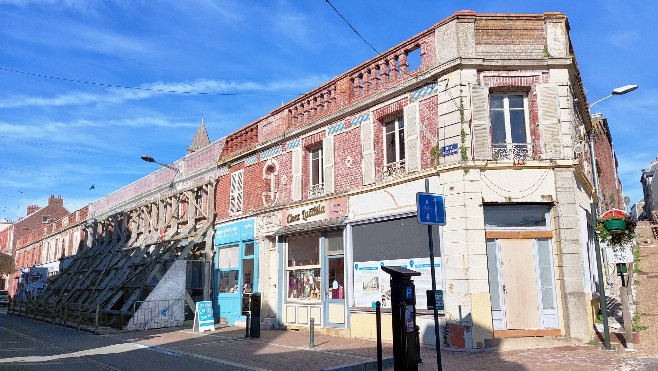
(204, 319)
(315, 212)
(234, 232)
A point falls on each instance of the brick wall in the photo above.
(347, 160)
(609, 184)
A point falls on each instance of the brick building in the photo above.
(309, 201)
(318, 194)
(610, 189)
(35, 219)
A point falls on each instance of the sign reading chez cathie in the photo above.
(314, 212)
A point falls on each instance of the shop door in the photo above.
(519, 284)
(334, 281)
(228, 283)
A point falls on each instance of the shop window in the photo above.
(509, 126)
(228, 281)
(517, 216)
(227, 263)
(546, 281)
(303, 266)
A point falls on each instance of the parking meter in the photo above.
(403, 312)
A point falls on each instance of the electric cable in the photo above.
(138, 87)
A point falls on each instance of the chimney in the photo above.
(31, 209)
(55, 200)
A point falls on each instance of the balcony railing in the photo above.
(394, 170)
(316, 190)
(512, 151)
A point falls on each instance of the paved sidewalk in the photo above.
(288, 350)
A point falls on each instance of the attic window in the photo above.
(45, 219)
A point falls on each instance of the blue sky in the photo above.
(61, 137)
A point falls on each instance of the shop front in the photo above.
(390, 240)
(236, 268)
(312, 268)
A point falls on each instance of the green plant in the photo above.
(636, 259)
(593, 343)
(599, 318)
(436, 153)
(617, 238)
(546, 52)
(636, 323)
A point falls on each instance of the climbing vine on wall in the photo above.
(464, 149)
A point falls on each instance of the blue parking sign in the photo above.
(431, 208)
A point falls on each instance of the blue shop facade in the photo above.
(235, 268)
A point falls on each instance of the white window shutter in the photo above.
(548, 121)
(328, 159)
(412, 137)
(367, 152)
(480, 123)
(297, 174)
(237, 187)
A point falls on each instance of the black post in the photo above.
(417, 329)
(602, 299)
(403, 339)
(311, 340)
(432, 270)
(378, 319)
(248, 322)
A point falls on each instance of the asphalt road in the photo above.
(27, 344)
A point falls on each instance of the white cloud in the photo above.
(623, 39)
(199, 86)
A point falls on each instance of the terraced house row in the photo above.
(305, 204)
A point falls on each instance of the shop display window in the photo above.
(304, 284)
(303, 256)
(228, 281)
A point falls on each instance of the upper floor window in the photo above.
(509, 126)
(316, 164)
(394, 141)
(317, 176)
(235, 206)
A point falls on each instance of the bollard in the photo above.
(378, 320)
(247, 325)
(417, 329)
(311, 341)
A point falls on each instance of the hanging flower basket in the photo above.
(615, 228)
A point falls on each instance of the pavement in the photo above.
(227, 347)
(289, 350)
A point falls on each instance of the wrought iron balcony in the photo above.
(316, 190)
(394, 170)
(512, 152)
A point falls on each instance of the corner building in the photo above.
(313, 198)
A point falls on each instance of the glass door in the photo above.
(334, 280)
(228, 283)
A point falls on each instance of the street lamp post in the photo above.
(148, 158)
(594, 211)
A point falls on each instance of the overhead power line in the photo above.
(136, 87)
(352, 27)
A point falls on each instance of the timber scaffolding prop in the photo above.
(130, 253)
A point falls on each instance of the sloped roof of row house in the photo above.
(196, 167)
(496, 37)
(54, 227)
(34, 221)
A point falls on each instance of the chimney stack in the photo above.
(55, 200)
(32, 208)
